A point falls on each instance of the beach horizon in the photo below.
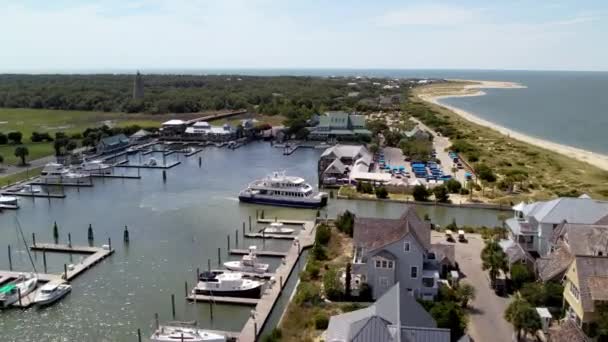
(598, 159)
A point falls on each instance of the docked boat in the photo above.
(94, 167)
(55, 173)
(227, 284)
(51, 292)
(24, 285)
(152, 162)
(282, 190)
(177, 331)
(8, 200)
(277, 228)
(248, 263)
(31, 189)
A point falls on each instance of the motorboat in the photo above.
(248, 263)
(24, 285)
(94, 167)
(51, 292)
(227, 284)
(282, 190)
(31, 189)
(54, 173)
(177, 331)
(277, 228)
(8, 200)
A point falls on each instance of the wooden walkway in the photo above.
(223, 300)
(116, 176)
(272, 254)
(296, 222)
(34, 194)
(254, 325)
(150, 166)
(269, 236)
(96, 255)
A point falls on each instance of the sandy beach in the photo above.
(597, 159)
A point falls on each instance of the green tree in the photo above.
(3, 139)
(1, 160)
(448, 315)
(15, 137)
(601, 321)
(59, 144)
(381, 192)
(465, 292)
(331, 285)
(22, 152)
(374, 148)
(345, 222)
(323, 234)
(420, 193)
(523, 317)
(494, 260)
(453, 186)
(485, 173)
(533, 293)
(441, 194)
(520, 274)
(347, 280)
(71, 145)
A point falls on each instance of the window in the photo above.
(384, 264)
(383, 281)
(390, 264)
(428, 282)
(414, 272)
(430, 256)
(377, 263)
(574, 291)
(406, 246)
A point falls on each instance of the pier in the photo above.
(223, 300)
(96, 254)
(34, 194)
(272, 254)
(150, 166)
(269, 236)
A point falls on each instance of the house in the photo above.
(418, 134)
(173, 127)
(341, 126)
(202, 130)
(337, 161)
(390, 251)
(394, 317)
(533, 224)
(112, 144)
(585, 286)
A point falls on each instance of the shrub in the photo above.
(381, 192)
(351, 307)
(313, 269)
(321, 321)
(331, 285)
(420, 193)
(3, 139)
(15, 137)
(323, 234)
(453, 186)
(319, 252)
(345, 222)
(441, 194)
(274, 336)
(464, 191)
(308, 293)
(485, 173)
(520, 275)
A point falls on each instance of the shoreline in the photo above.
(597, 159)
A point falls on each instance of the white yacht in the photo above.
(56, 173)
(248, 263)
(8, 200)
(281, 190)
(94, 167)
(24, 285)
(227, 284)
(277, 228)
(51, 292)
(184, 332)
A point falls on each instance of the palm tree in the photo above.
(523, 317)
(466, 293)
(494, 259)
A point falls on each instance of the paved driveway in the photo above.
(486, 322)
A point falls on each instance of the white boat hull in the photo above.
(61, 292)
(176, 334)
(239, 267)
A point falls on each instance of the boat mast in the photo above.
(18, 225)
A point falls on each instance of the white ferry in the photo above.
(282, 190)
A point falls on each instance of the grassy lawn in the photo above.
(549, 174)
(274, 120)
(28, 173)
(41, 120)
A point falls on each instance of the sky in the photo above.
(38, 35)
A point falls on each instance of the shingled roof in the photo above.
(374, 233)
(568, 332)
(590, 270)
(555, 264)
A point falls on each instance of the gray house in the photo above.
(394, 317)
(112, 144)
(390, 251)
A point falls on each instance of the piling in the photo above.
(208, 265)
(10, 259)
(228, 240)
(198, 274)
(173, 305)
(138, 335)
(236, 238)
(164, 175)
(34, 239)
(211, 310)
(126, 235)
(110, 243)
(90, 233)
(243, 230)
(200, 161)
(44, 260)
(256, 214)
(186, 288)
(65, 271)
(219, 257)
(262, 214)
(70, 240)
(55, 231)
(281, 281)
(156, 321)
(19, 294)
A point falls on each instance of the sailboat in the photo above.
(22, 286)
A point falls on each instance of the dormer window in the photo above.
(406, 246)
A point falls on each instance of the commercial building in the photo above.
(340, 126)
(202, 130)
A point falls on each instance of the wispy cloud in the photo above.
(429, 15)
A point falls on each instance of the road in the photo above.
(486, 322)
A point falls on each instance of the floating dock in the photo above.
(9, 206)
(294, 222)
(223, 300)
(269, 236)
(77, 184)
(34, 194)
(150, 166)
(116, 176)
(273, 254)
(97, 254)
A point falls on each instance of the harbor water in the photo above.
(175, 227)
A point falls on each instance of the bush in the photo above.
(313, 269)
(485, 173)
(464, 191)
(520, 275)
(323, 234)
(331, 285)
(365, 187)
(3, 139)
(420, 193)
(351, 307)
(381, 192)
(15, 137)
(274, 336)
(451, 316)
(441, 194)
(533, 293)
(319, 253)
(321, 321)
(308, 293)
(345, 222)
(453, 186)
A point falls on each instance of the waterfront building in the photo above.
(533, 224)
(202, 130)
(112, 144)
(138, 87)
(390, 251)
(340, 126)
(395, 316)
(337, 163)
(173, 127)
(140, 135)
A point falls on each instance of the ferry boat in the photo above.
(56, 173)
(9, 294)
(178, 331)
(51, 292)
(94, 167)
(227, 284)
(248, 263)
(281, 190)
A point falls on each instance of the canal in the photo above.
(175, 227)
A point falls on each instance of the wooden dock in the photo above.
(97, 254)
(266, 275)
(150, 166)
(295, 222)
(270, 236)
(223, 300)
(262, 253)
(34, 194)
(116, 176)
(255, 324)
